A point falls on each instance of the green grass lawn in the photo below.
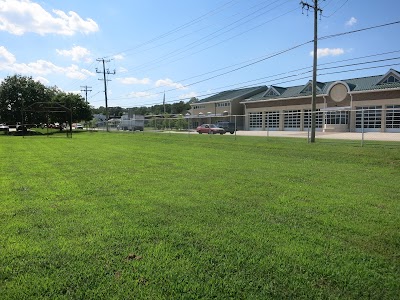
(147, 216)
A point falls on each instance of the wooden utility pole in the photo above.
(316, 9)
(86, 90)
(105, 84)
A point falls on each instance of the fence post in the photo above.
(235, 126)
(267, 124)
(362, 127)
(308, 128)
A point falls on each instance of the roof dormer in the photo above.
(390, 77)
(308, 87)
(271, 92)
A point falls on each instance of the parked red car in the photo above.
(210, 129)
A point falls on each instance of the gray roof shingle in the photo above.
(369, 83)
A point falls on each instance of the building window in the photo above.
(393, 116)
(199, 106)
(391, 79)
(372, 117)
(319, 118)
(223, 104)
(337, 118)
(307, 89)
(270, 92)
(255, 120)
(272, 119)
(292, 118)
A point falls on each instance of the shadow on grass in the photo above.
(44, 132)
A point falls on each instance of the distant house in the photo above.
(99, 120)
(222, 105)
(368, 103)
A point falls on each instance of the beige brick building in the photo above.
(359, 104)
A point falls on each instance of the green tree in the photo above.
(181, 123)
(116, 111)
(180, 107)
(80, 109)
(18, 93)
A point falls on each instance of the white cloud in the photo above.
(188, 95)
(170, 83)
(42, 80)
(119, 57)
(122, 70)
(20, 16)
(40, 67)
(6, 57)
(351, 22)
(141, 95)
(133, 80)
(321, 52)
(77, 53)
(74, 92)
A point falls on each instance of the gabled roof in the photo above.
(391, 76)
(369, 83)
(233, 94)
(308, 87)
(274, 91)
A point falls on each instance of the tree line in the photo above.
(180, 107)
(24, 100)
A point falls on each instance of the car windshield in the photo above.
(213, 126)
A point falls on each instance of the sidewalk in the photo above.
(370, 136)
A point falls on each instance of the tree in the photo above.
(80, 109)
(180, 107)
(116, 111)
(20, 92)
(193, 100)
(181, 123)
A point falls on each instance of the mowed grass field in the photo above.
(159, 216)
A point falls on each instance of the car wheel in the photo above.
(199, 132)
(232, 132)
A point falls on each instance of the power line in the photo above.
(295, 77)
(284, 51)
(336, 9)
(208, 38)
(265, 58)
(179, 28)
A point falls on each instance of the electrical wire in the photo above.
(210, 37)
(181, 27)
(295, 77)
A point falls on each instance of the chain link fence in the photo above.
(364, 125)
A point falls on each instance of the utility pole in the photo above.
(105, 84)
(86, 90)
(314, 80)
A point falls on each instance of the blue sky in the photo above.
(191, 48)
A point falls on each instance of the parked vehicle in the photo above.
(210, 129)
(5, 128)
(228, 126)
(132, 123)
(78, 126)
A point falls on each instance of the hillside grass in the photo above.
(158, 216)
